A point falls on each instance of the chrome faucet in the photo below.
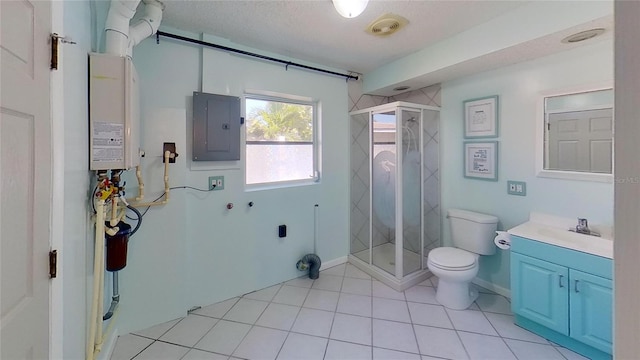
(583, 226)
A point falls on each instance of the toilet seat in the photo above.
(453, 259)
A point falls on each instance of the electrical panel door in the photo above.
(216, 127)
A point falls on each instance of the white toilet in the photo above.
(472, 234)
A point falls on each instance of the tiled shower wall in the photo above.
(360, 186)
(360, 201)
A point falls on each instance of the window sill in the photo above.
(279, 185)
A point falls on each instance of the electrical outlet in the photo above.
(216, 182)
(171, 148)
(517, 188)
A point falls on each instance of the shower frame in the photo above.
(398, 280)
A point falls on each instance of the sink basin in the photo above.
(563, 237)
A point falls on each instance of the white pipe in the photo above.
(97, 270)
(98, 320)
(120, 36)
(116, 26)
(147, 25)
(114, 212)
(167, 156)
(140, 196)
(315, 228)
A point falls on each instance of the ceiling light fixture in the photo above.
(401, 88)
(582, 36)
(350, 8)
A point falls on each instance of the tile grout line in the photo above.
(413, 327)
(140, 352)
(252, 326)
(294, 320)
(333, 318)
(335, 312)
(265, 309)
(202, 337)
(497, 332)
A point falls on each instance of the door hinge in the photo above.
(55, 40)
(53, 264)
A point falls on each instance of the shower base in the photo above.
(383, 266)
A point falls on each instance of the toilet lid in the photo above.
(452, 258)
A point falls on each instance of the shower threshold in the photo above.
(383, 267)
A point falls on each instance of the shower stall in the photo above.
(394, 191)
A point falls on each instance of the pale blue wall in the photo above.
(518, 87)
(194, 251)
(77, 239)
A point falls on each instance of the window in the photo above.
(280, 140)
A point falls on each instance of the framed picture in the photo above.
(481, 160)
(481, 117)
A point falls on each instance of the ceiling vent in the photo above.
(386, 24)
(582, 36)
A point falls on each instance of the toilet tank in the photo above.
(473, 231)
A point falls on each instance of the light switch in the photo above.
(517, 188)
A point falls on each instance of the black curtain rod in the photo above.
(242, 52)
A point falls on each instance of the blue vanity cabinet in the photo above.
(563, 295)
(539, 292)
(591, 302)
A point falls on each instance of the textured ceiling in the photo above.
(312, 30)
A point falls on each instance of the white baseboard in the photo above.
(332, 263)
(108, 346)
(493, 287)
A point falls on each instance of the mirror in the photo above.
(578, 134)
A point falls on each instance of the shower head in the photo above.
(412, 119)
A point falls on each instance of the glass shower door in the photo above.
(383, 168)
(411, 174)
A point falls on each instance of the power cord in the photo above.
(171, 188)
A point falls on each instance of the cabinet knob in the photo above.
(560, 281)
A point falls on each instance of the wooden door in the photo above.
(25, 178)
(581, 141)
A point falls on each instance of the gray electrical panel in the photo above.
(216, 127)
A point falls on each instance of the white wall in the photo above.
(194, 251)
(518, 87)
(76, 251)
(627, 192)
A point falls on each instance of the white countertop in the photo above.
(537, 228)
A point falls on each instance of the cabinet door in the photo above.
(539, 292)
(591, 301)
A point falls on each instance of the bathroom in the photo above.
(209, 254)
(227, 258)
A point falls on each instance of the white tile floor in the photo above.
(343, 315)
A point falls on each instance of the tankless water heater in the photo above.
(114, 113)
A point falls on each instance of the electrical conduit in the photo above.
(312, 261)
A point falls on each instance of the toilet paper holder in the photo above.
(502, 240)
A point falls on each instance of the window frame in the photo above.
(315, 142)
